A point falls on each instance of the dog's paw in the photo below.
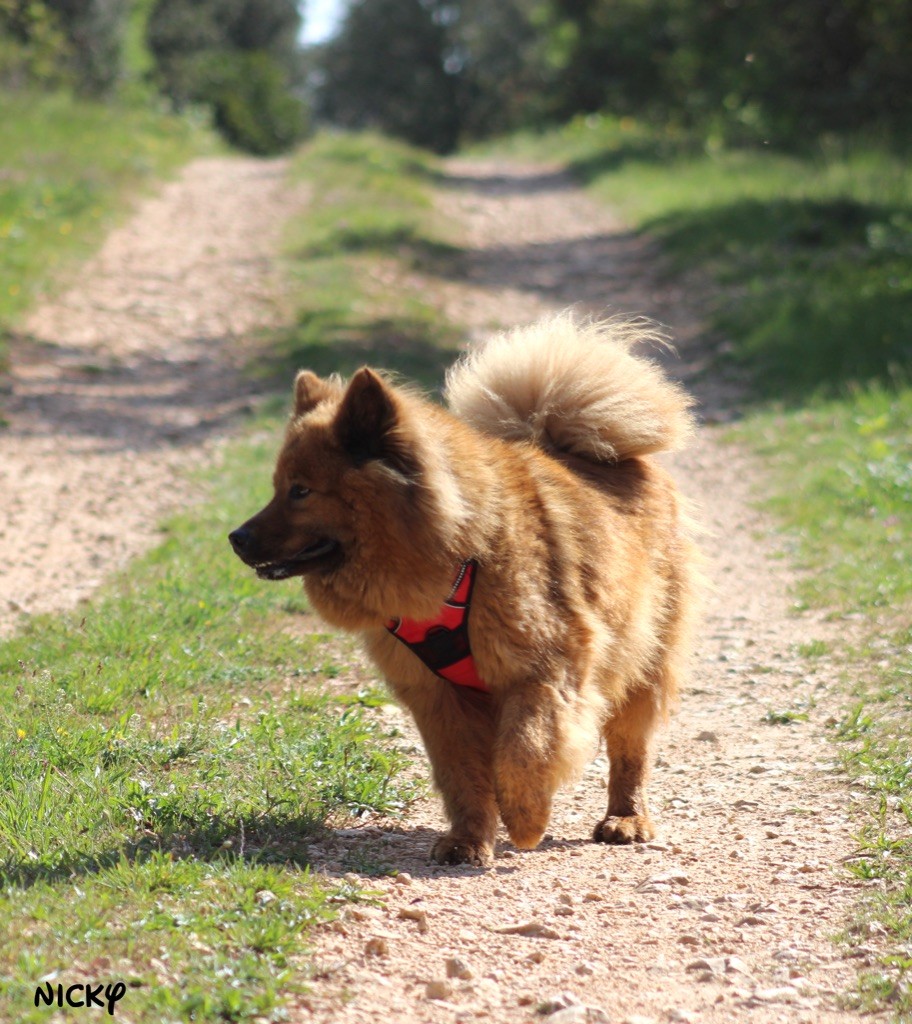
(452, 849)
(525, 836)
(634, 829)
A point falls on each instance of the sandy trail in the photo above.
(728, 916)
(117, 384)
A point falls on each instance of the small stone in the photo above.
(417, 915)
(403, 878)
(585, 969)
(564, 911)
(456, 968)
(533, 929)
(714, 965)
(535, 957)
(558, 1002)
(638, 1018)
(439, 988)
(689, 940)
(708, 736)
(366, 913)
(659, 883)
(783, 994)
(577, 1015)
(377, 945)
(735, 965)
(565, 898)
(681, 1016)
(593, 897)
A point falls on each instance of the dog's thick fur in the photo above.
(541, 470)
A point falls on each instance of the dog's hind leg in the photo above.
(457, 728)
(628, 733)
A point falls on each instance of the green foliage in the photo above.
(433, 73)
(437, 71)
(95, 30)
(237, 57)
(745, 70)
(250, 101)
(33, 48)
(66, 166)
(386, 70)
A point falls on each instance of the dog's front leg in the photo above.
(457, 727)
(528, 760)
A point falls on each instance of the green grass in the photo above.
(352, 255)
(168, 754)
(66, 166)
(810, 258)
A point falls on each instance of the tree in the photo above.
(95, 30)
(240, 58)
(387, 70)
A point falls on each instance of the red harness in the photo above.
(442, 643)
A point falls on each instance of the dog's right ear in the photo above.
(309, 391)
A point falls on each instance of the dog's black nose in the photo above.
(239, 538)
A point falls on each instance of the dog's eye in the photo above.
(297, 492)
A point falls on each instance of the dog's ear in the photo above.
(309, 391)
(368, 423)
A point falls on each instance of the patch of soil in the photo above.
(117, 385)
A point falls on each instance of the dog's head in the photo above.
(359, 506)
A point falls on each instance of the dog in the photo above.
(519, 566)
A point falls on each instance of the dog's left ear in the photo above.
(368, 423)
(309, 391)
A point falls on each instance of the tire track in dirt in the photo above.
(116, 385)
(729, 915)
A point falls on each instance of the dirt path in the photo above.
(728, 917)
(117, 384)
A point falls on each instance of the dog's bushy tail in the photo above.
(573, 387)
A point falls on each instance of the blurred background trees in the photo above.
(240, 59)
(441, 72)
(745, 70)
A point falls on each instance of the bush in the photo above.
(250, 102)
(33, 48)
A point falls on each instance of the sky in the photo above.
(320, 19)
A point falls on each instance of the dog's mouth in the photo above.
(323, 553)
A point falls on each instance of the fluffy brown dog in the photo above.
(534, 504)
